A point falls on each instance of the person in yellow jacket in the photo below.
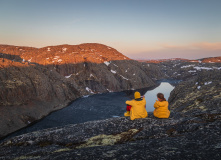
(138, 107)
(161, 107)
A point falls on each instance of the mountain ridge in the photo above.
(63, 54)
(201, 60)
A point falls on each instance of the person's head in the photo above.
(137, 95)
(160, 97)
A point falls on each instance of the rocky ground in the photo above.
(192, 137)
(192, 131)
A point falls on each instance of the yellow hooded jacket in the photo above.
(161, 109)
(138, 109)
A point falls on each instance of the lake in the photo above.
(95, 107)
(151, 97)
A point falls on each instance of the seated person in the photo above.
(161, 107)
(137, 107)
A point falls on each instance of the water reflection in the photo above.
(151, 96)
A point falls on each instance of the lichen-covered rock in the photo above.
(121, 138)
(200, 94)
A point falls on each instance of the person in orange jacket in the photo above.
(137, 107)
(161, 107)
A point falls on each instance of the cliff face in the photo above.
(30, 92)
(35, 81)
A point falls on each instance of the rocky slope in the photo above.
(30, 92)
(36, 81)
(183, 70)
(200, 94)
(96, 67)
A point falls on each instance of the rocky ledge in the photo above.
(196, 137)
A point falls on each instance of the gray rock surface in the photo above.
(30, 93)
(120, 138)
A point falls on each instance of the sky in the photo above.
(139, 29)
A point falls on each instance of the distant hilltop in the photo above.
(86, 52)
(64, 54)
(203, 60)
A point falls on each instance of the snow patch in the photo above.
(109, 90)
(192, 71)
(219, 68)
(200, 68)
(89, 90)
(30, 59)
(64, 49)
(68, 76)
(187, 66)
(60, 60)
(56, 57)
(124, 77)
(206, 83)
(198, 87)
(114, 64)
(107, 63)
(113, 71)
(49, 49)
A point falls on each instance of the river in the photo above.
(95, 107)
